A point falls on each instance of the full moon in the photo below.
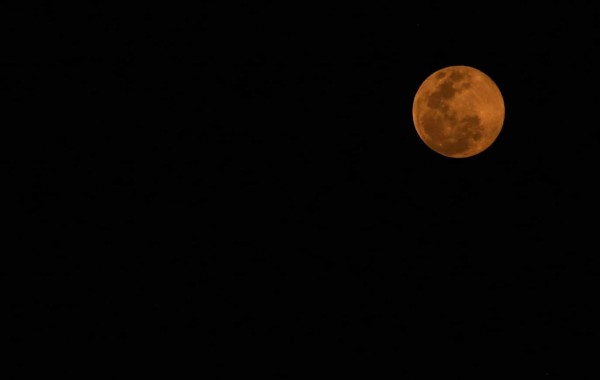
(458, 111)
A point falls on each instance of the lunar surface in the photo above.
(458, 111)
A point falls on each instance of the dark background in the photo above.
(245, 182)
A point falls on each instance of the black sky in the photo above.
(248, 179)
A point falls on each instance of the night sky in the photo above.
(244, 183)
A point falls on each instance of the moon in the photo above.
(458, 111)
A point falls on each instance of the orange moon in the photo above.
(458, 111)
